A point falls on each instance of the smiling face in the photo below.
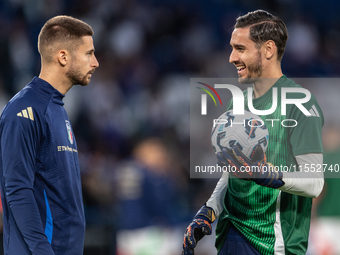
(246, 56)
(83, 63)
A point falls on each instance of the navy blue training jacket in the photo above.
(40, 177)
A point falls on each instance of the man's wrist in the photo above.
(270, 177)
(206, 212)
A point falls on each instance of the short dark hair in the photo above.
(264, 26)
(62, 29)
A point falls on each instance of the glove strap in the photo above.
(270, 177)
(206, 212)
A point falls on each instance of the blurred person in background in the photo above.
(264, 211)
(40, 176)
(325, 226)
(146, 198)
(99, 203)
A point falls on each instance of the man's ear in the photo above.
(269, 49)
(63, 57)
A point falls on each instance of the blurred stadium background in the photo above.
(132, 121)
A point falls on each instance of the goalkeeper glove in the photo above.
(198, 228)
(257, 169)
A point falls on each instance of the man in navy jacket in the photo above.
(39, 169)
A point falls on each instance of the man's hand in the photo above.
(257, 169)
(198, 228)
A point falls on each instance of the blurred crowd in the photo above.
(132, 121)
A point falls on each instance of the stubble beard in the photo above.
(76, 77)
(254, 71)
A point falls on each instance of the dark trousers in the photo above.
(237, 244)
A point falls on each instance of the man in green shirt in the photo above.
(265, 212)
